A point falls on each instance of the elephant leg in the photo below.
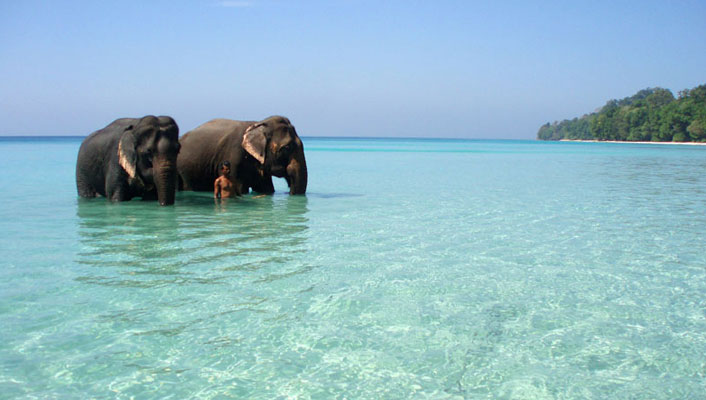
(117, 194)
(117, 190)
(238, 184)
(86, 191)
(243, 188)
(264, 185)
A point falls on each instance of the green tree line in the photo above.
(652, 114)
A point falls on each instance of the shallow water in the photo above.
(411, 269)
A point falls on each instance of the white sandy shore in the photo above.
(624, 141)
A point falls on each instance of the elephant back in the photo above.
(206, 146)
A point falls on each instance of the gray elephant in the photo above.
(131, 157)
(256, 151)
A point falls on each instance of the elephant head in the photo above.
(275, 145)
(147, 151)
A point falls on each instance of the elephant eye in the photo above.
(147, 158)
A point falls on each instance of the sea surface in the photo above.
(412, 269)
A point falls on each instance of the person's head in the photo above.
(224, 168)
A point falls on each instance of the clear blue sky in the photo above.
(495, 69)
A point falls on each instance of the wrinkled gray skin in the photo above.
(256, 150)
(131, 157)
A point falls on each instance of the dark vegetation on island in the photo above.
(652, 114)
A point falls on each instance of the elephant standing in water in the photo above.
(255, 150)
(129, 158)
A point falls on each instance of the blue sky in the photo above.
(339, 67)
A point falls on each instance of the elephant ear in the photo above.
(255, 141)
(127, 155)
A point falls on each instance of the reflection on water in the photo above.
(198, 241)
(183, 293)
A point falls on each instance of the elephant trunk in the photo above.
(297, 174)
(165, 181)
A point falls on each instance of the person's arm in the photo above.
(217, 189)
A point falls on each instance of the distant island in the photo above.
(651, 115)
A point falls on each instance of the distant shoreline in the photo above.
(11, 138)
(627, 141)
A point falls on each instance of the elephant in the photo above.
(256, 150)
(131, 157)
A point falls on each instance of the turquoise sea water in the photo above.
(441, 269)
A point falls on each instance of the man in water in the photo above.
(223, 187)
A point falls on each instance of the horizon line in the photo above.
(304, 137)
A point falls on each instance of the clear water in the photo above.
(411, 269)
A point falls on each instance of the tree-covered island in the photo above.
(651, 115)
